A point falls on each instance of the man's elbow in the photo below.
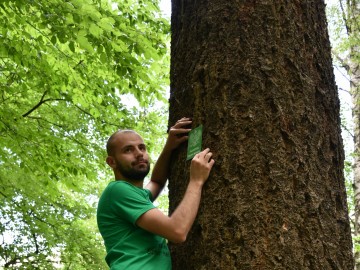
(178, 237)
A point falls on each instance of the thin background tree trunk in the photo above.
(354, 87)
(258, 75)
(352, 65)
(353, 69)
(350, 12)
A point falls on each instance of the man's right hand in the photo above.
(201, 166)
(176, 227)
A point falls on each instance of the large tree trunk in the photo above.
(258, 76)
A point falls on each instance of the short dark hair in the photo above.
(110, 145)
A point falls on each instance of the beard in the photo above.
(133, 173)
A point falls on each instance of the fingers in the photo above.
(177, 131)
(201, 165)
(208, 156)
(183, 122)
(183, 119)
(205, 154)
(178, 127)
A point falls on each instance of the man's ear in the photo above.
(111, 162)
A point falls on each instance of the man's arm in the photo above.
(161, 169)
(176, 227)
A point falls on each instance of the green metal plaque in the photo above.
(195, 142)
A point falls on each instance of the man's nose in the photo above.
(138, 152)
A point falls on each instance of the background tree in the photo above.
(259, 77)
(345, 28)
(65, 67)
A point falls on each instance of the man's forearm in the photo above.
(176, 227)
(185, 214)
(161, 169)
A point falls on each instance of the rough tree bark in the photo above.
(258, 76)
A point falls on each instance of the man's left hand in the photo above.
(178, 133)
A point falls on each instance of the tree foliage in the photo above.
(65, 67)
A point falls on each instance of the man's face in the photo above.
(131, 158)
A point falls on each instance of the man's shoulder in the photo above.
(122, 188)
(118, 187)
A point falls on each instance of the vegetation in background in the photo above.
(343, 17)
(65, 68)
(68, 70)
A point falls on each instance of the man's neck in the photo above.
(137, 183)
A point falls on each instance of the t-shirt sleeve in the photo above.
(130, 202)
(150, 195)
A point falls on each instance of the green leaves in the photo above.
(64, 66)
(95, 30)
(84, 42)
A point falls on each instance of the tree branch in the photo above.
(47, 121)
(348, 131)
(42, 101)
(344, 90)
(85, 112)
(36, 106)
(346, 23)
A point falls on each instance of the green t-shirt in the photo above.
(128, 246)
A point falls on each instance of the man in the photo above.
(134, 230)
